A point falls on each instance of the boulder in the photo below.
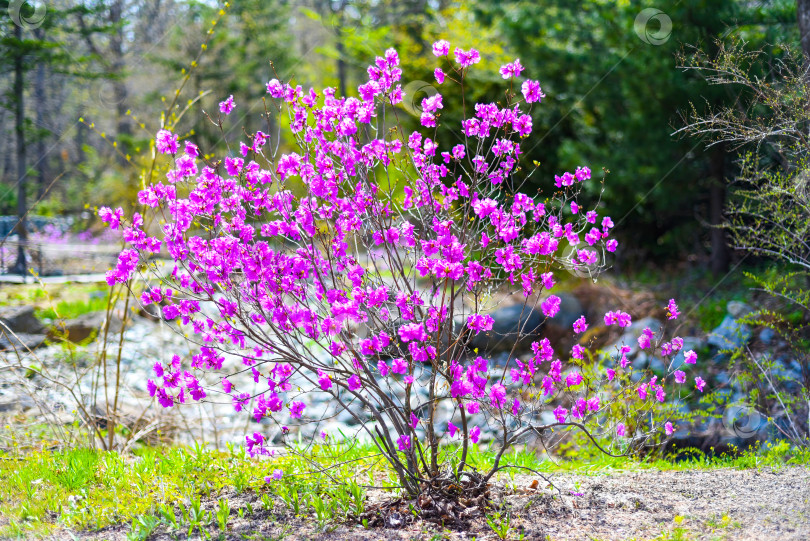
(82, 327)
(21, 319)
(767, 336)
(738, 309)
(730, 334)
(20, 341)
(527, 323)
(511, 322)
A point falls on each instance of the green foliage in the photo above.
(173, 488)
(500, 523)
(71, 309)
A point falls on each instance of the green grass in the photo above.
(84, 489)
(72, 309)
(54, 301)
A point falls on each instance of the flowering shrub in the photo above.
(368, 284)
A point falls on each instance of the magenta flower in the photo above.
(680, 376)
(497, 395)
(610, 374)
(690, 357)
(669, 429)
(466, 58)
(226, 106)
(580, 325)
(475, 434)
(324, 380)
(296, 409)
(480, 322)
(573, 379)
(441, 48)
(166, 142)
(399, 366)
(354, 383)
(452, 429)
(551, 305)
(560, 413)
(414, 420)
(412, 331)
(672, 310)
(699, 384)
(621, 430)
(532, 92)
(645, 340)
(439, 75)
(515, 407)
(513, 69)
(404, 443)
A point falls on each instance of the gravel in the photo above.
(760, 505)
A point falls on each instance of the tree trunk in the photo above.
(117, 67)
(19, 128)
(717, 200)
(39, 99)
(339, 16)
(803, 15)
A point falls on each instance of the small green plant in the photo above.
(196, 515)
(267, 503)
(168, 515)
(142, 527)
(223, 512)
(500, 523)
(323, 510)
(358, 497)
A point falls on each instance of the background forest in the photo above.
(96, 77)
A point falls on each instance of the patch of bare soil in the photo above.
(728, 504)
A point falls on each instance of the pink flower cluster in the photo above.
(259, 269)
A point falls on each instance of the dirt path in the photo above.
(722, 504)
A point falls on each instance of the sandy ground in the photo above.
(757, 505)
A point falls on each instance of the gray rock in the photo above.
(82, 327)
(630, 338)
(570, 310)
(738, 309)
(527, 323)
(730, 334)
(21, 319)
(767, 336)
(13, 402)
(689, 343)
(510, 323)
(20, 341)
